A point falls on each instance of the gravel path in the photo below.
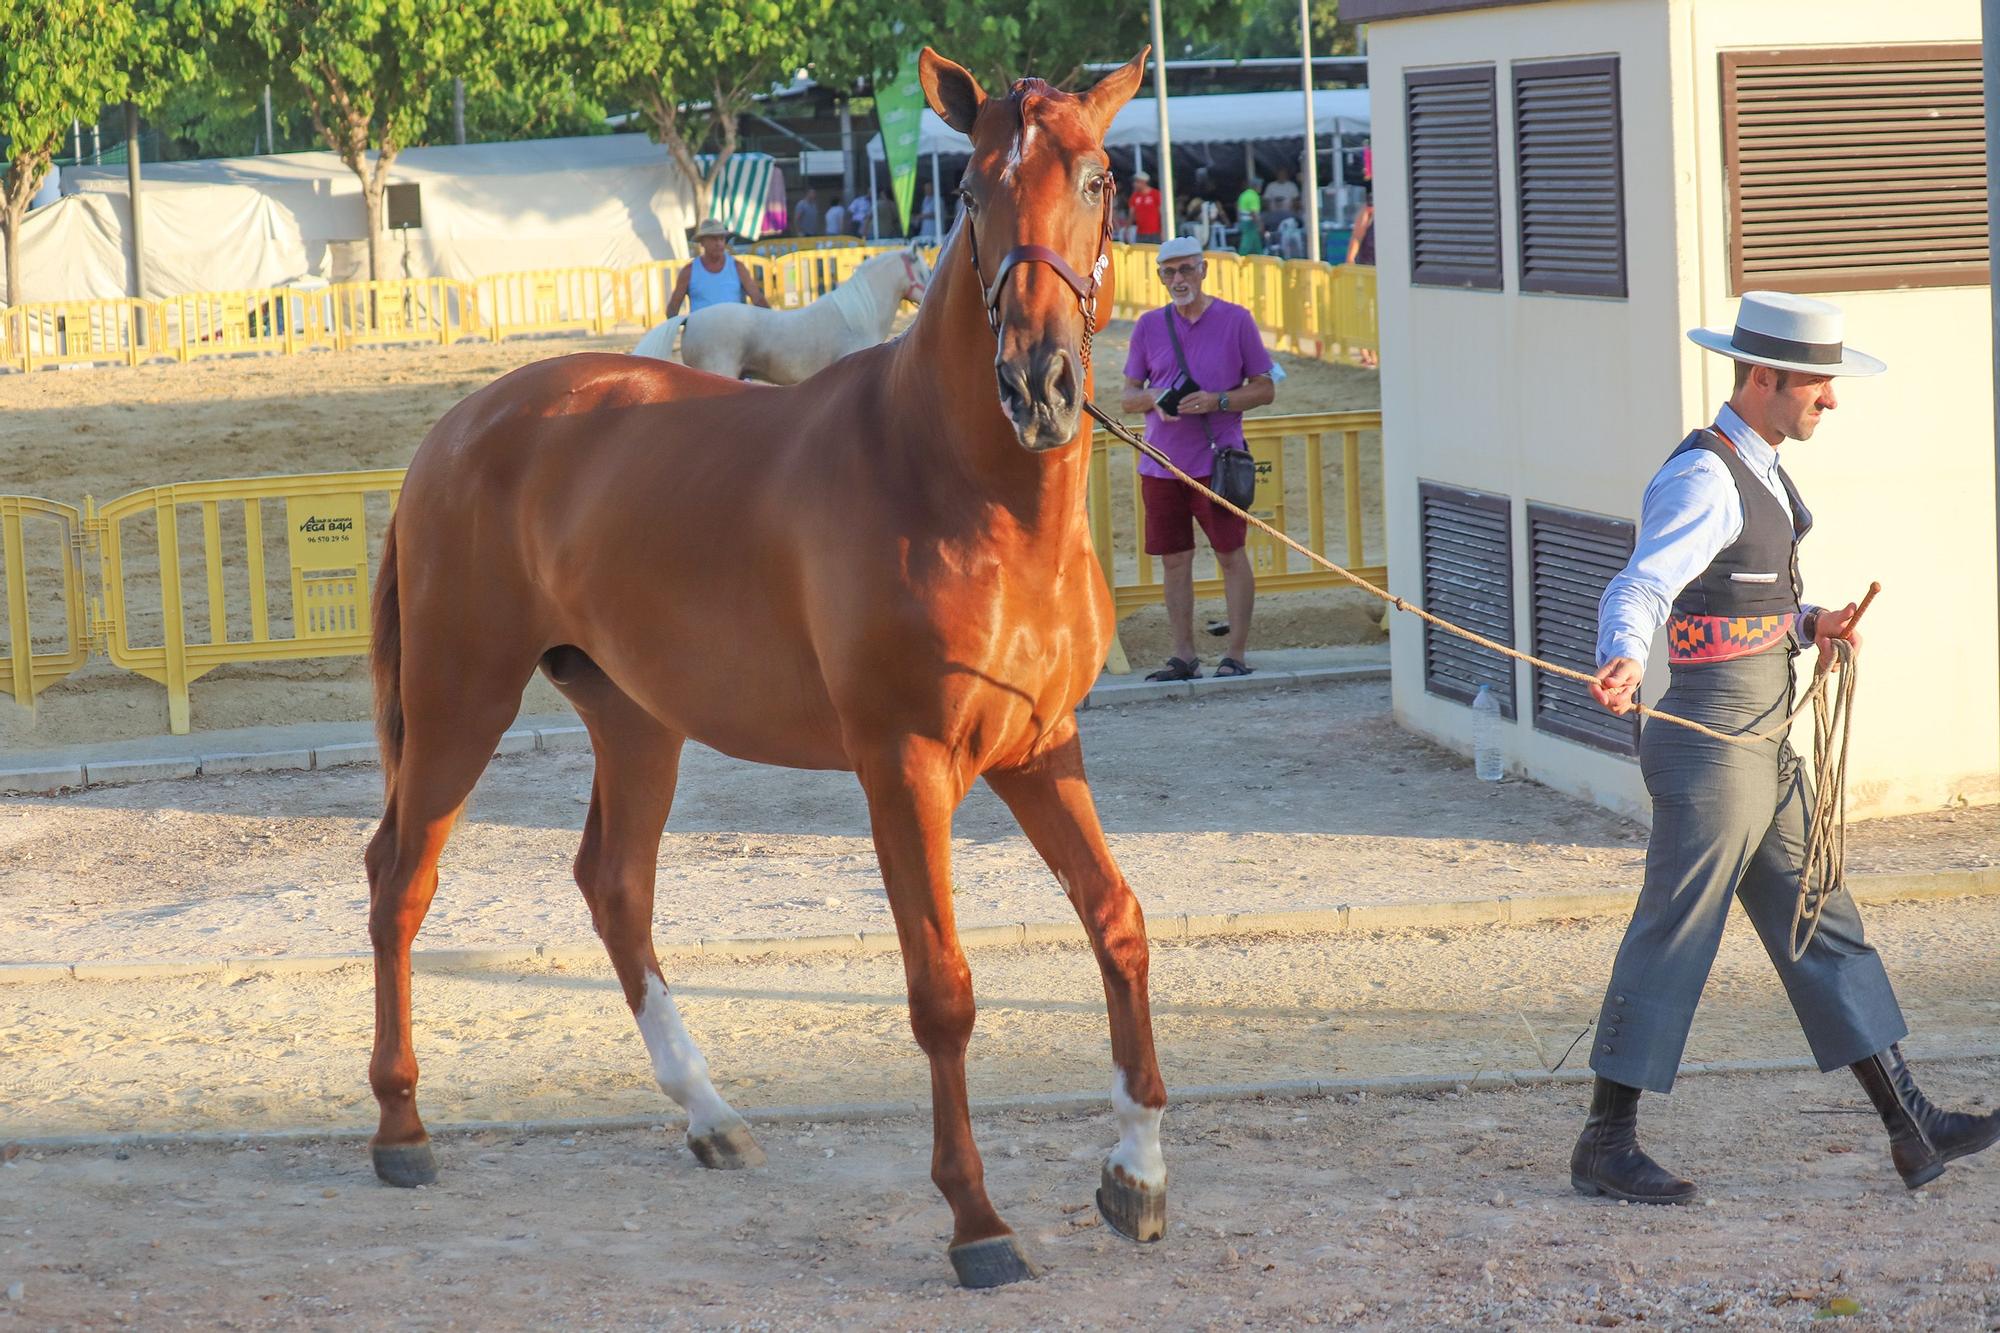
(281, 1051)
(1234, 802)
(1392, 1212)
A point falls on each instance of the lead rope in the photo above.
(1825, 869)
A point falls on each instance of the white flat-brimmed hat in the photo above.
(711, 227)
(1789, 332)
(1180, 247)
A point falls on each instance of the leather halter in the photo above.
(918, 287)
(1086, 291)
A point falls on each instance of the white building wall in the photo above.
(1573, 401)
(1900, 477)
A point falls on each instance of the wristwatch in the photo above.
(1222, 403)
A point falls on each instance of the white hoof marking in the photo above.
(678, 1063)
(1138, 1152)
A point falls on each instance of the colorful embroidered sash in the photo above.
(1724, 638)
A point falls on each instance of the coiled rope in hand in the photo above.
(1824, 872)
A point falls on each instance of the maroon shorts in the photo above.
(1172, 510)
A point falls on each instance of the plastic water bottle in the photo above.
(1486, 758)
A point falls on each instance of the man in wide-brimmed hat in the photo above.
(715, 277)
(1716, 564)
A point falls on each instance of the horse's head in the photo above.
(1038, 193)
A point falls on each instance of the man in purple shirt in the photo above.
(1231, 373)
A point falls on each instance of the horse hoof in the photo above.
(405, 1165)
(1130, 1209)
(993, 1262)
(729, 1148)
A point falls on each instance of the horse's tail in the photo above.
(386, 662)
(659, 340)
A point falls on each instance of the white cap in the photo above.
(1180, 247)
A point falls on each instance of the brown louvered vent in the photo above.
(1571, 557)
(1453, 126)
(1570, 177)
(1468, 549)
(1855, 169)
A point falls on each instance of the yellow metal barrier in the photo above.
(555, 300)
(269, 569)
(1291, 474)
(1306, 309)
(25, 670)
(82, 333)
(322, 610)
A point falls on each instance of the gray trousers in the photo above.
(1731, 819)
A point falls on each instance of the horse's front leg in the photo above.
(1052, 800)
(913, 786)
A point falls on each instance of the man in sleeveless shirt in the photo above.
(1716, 564)
(716, 277)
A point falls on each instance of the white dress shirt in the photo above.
(1691, 514)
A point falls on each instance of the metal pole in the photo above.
(846, 153)
(76, 141)
(458, 109)
(874, 221)
(937, 200)
(1312, 140)
(1990, 16)
(132, 187)
(96, 146)
(270, 136)
(1169, 220)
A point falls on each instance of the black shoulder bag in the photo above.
(1233, 473)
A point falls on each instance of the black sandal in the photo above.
(1178, 668)
(1229, 666)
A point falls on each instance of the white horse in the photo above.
(786, 346)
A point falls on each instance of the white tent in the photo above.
(1216, 118)
(603, 200)
(222, 236)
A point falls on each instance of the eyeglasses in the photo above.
(1169, 272)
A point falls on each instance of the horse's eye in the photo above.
(965, 198)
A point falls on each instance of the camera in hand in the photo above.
(1169, 403)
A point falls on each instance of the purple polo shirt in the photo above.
(1223, 349)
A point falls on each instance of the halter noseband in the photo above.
(1086, 292)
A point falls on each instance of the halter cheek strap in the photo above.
(1086, 291)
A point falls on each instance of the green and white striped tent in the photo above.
(742, 192)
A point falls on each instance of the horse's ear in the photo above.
(951, 90)
(1114, 90)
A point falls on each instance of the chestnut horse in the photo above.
(888, 570)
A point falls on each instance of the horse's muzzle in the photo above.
(1044, 398)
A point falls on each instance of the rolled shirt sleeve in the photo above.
(1690, 513)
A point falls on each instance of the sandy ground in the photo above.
(276, 1051)
(1234, 802)
(1391, 1212)
(107, 432)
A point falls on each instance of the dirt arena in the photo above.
(109, 431)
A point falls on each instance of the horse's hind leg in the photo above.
(450, 734)
(638, 761)
(1051, 799)
(912, 790)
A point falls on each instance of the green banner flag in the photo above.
(899, 108)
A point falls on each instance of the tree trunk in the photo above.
(10, 223)
(665, 115)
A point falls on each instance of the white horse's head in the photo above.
(917, 270)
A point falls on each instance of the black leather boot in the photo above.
(1921, 1137)
(1608, 1158)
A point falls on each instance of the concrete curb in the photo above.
(49, 779)
(1165, 929)
(1390, 1085)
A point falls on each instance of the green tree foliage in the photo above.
(692, 67)
(1271, 28)
(1055, 39)
(370, 73)
(65, 60)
